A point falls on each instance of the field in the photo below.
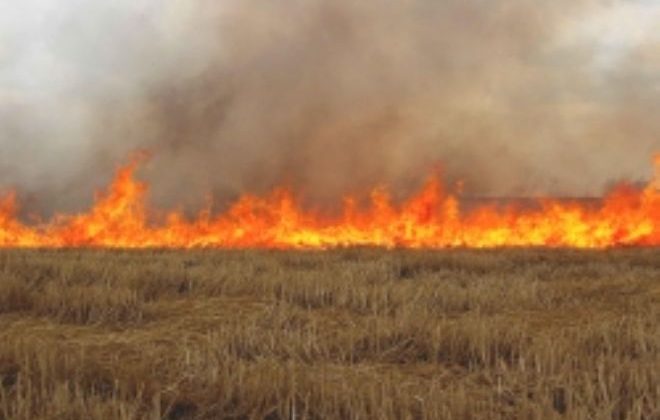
(355, 333)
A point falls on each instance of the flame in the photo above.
(432, 218)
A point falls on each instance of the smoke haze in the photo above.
(515, 97)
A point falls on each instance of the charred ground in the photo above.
(357, 333)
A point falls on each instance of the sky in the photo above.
(515, 97)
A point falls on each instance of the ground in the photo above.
(355, 333)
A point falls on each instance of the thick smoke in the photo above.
(515, 97)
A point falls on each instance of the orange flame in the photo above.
(626, 216)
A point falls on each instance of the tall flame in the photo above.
(120, 218)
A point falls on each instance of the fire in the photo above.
(432, 218)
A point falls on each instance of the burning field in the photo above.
(319, 209)
(270, 310)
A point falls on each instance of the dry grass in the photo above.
(343, 334)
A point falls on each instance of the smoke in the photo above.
(514, 97)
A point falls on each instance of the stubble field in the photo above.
(355, 333)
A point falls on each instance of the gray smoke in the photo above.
(515, 97)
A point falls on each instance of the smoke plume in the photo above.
(515, 97)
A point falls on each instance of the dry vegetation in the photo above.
(365, 334)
